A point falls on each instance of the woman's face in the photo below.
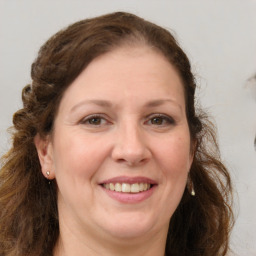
(120, 150)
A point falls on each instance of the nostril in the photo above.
(130, 151)
(132, 162)
(120, 160)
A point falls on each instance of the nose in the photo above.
(130, 146)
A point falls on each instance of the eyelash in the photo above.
(163, 118)
(91, 117)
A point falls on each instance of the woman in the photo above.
(109, 156)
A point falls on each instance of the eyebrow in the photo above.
(156, 103)
(108, 104)
(102, 103)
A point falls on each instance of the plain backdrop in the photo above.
(219, 37)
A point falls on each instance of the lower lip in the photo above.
(130, 198)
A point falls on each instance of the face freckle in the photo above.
(104, 135)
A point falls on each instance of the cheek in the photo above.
(77, 157)
(175, 156)
(173, 159)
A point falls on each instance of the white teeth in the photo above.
(127, 188)
(135, 188)
(118, 187)
(112, 186)
(141, 186)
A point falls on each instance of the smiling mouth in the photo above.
(127, 188)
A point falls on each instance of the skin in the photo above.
(140, 130)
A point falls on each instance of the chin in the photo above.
(129, 233)
(131, 228)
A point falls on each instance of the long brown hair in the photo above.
(28, 204)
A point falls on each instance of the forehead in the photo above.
(127, 73)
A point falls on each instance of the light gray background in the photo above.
(220, 39)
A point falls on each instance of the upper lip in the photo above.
(129, 180)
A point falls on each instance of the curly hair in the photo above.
(28, 205)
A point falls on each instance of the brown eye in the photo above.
(160, 120)
(157, 120)
(95, 121)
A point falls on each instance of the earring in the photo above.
(192, 192)
(48, 174)
(190, 187)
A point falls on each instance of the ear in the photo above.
(45, 154)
